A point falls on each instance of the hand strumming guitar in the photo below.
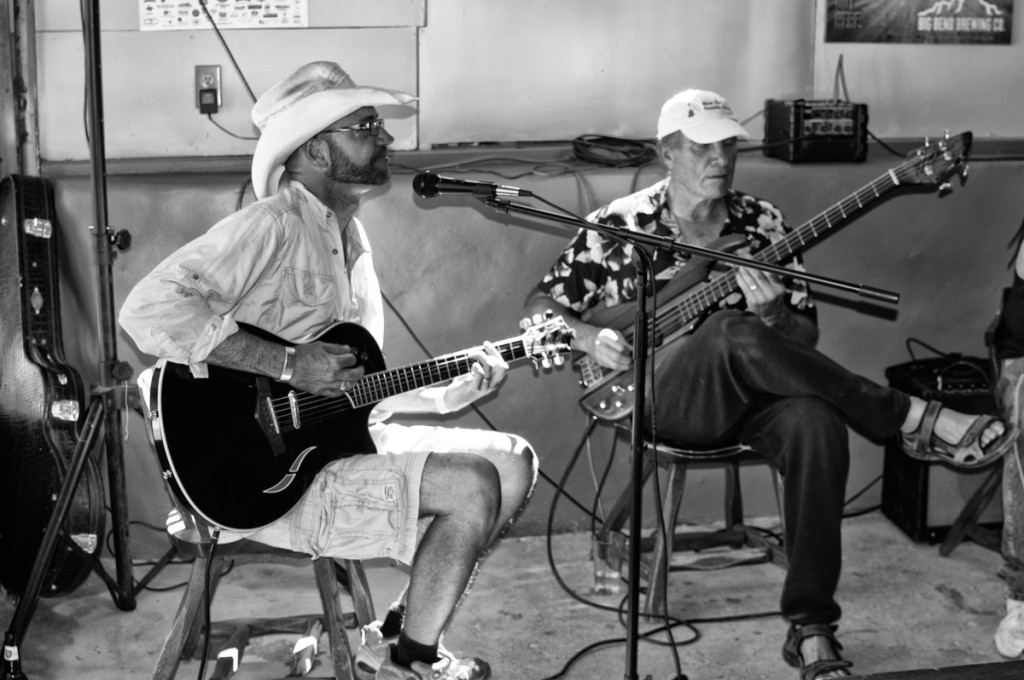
(325, 369)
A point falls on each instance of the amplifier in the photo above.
(815, 130)
(943, 377)
(925, 499)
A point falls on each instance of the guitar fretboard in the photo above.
(375, 387)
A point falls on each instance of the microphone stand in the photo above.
(488, 195)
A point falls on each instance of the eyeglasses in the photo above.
(372, 127)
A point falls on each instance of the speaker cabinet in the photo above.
(815, 130)
(924, 499)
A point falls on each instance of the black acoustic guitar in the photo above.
(41, 400)
(609, 394)
(241, 449)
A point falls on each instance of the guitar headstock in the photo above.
(937, 162)
(546, 338)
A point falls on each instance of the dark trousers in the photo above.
(736, 379)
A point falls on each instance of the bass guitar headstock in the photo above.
(937, 162)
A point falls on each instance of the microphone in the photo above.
(429, 184)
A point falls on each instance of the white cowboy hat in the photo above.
(298, 107)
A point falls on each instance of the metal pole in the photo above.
(111, 370)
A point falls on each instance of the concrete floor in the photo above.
(906, 608)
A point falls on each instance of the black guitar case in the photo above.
(41, 401)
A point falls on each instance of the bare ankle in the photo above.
(914, 414)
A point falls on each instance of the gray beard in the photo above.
(344, 170)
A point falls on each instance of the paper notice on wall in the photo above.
(191, 15)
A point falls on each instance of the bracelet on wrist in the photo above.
(289, 365)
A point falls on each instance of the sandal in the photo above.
(791, 650)
(924, 444)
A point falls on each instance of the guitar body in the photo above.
(609, 395)
(222, 458)
(41, 401)
(612, 397)
(240, 450)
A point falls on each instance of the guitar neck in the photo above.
(378, 386)
(689, 307)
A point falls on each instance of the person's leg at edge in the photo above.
(806, 439)
(1009, 635)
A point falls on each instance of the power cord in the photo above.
(615, 152)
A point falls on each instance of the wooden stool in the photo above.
(228, 638)
(745, 544)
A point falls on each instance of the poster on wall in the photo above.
(190, 15)
(946, 22)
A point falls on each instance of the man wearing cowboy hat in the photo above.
(294, 263)
(749, 372)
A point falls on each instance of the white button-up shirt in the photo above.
(279, 264)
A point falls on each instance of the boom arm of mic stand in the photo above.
(663, 243)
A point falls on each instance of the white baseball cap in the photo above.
(703, 116)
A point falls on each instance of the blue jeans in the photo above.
(735, 378)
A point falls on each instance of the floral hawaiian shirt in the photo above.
(595, 268)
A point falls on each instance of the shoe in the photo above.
(375, 649)
(924, 444)
(810, 671)
(1009, 637)
(447, 668)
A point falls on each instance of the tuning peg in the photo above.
(545, 362)
(945, 188)
(524, 323)
(559, 360)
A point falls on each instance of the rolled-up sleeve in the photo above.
(168, 315)
(183, 309)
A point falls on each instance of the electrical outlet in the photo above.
(208, 89)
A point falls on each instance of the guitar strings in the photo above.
(687, 311)
(377, 386)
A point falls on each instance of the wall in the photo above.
(513, 70)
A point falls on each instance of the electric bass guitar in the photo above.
(241, 449)
(609, 395)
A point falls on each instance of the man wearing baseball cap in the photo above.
(749, 372)
(294, 263)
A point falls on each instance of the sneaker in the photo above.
(374, 654)
(373, 649)
(1009, 637)
(389, 670)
